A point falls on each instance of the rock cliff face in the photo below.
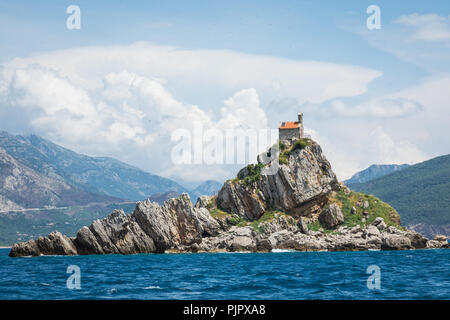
(304, 178)
(149, 229)
(281, 234)
(299, 207)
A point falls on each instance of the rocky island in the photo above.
(302, 207)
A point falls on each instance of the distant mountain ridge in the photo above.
(373, 172)
(43, 185)
(420, 193)
(209, 187)
(23, 188)
(100, 175)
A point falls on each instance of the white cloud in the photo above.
(217, 72)
(243, 111)
(352, 144)
(422, 40)
(125, 101)
(374, 108)
(354, 148)
(427, 27)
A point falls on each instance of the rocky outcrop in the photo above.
(302, 225)
(379, 223)
(306, 176)
(279, 234)
(150, 228)
(300, 207)
(54, 244)
(331, 216)
(439, 241)
(429, 230)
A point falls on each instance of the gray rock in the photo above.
(307, 176)
(194, 247)
(54, 244)
(263, 245)
(302, 226)
(242, 243)
(348, 244)
(440, 237)
(241, 200)
(395, 242)
(371, 231)
(150, 228)
(356, 229)
(331, 216)
(418, 241)
(433, 244)
(290, 244)
(205, 202)
(379, 223)
(374, 243)
(394, 230)
(439, 241)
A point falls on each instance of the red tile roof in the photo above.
(289, 125)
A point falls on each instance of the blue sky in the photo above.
(397, 66)
(310, 30)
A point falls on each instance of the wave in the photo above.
(282, 250)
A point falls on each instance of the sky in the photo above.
(134, 73)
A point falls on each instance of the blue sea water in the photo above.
(419, 274)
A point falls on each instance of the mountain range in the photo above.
(420, 193)
(23, 188)
(373, 172)
(42, 183)
(101, 175)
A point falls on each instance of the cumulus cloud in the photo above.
(131, 115)
(354, 148)
(352, 144)
(126, 101)
(221, 72)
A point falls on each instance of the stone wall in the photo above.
(285, 134)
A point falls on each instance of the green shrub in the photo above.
(237, 221)
(377, 208)
(301, 144)
(286, 152)
(254, 173)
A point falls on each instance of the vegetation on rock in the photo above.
(286, 151)
(419, 192)
(376, 208)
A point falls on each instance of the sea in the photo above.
(415, 274)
